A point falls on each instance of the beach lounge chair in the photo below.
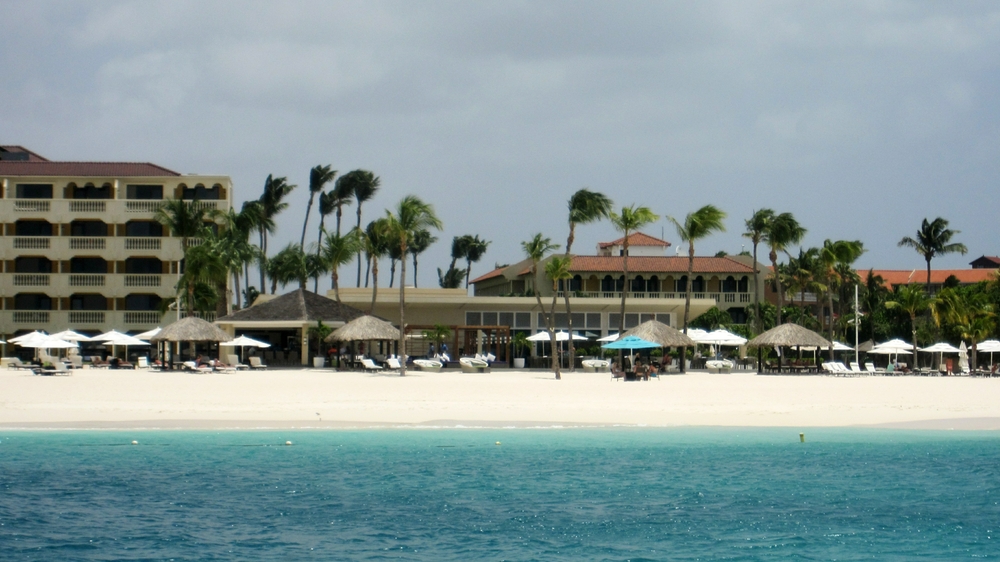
(856, 369)
(234, 360)
(473, 365)
(596, 366)
(142, 362)
(255, 363)
(76, 361)
(429, 365)
(58, 368)
(370, 366)
(16, 363)
(195, 368)
(98, 363)
(719, 366)
(221, 367)
(870, 369)
(393, 363)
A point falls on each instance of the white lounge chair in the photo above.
(596, 366)
(370, 365)
(59, 368)
(76, 361)
(142, 362)
(16, 363)
(719, 366)
(856, 369)
(429, 365)
(870, 369)
(393, 364)
(473, 365)
(255, 363)
(234, 360)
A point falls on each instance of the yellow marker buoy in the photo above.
(802, 438)
(288, 442)
(135, 442)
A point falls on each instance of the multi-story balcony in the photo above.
(110, 284)
(726, 298)
(107, 210)
(112, 248)
(103, 320)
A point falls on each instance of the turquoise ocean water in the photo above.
(569, 494)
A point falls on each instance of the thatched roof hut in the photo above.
(787, 335)
(658, 332)
(296, 307)
(192, 329)
(365, 328)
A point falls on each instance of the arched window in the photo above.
(607, 284)
(576, 284)
(88, 265)
(729, 284)
(32, 265)
(681, 284)
(87, 302)
(88, 228)
(620, 283)
(143, 228)
(32, 228)
(638, 284)
(142, 302)
(32, 301)
(698, 285)
(744, 285)
(143, 266)
(653, 285)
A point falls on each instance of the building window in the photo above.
(32, 301)
(638, 284)
(473, 318)
(653, 285)
(143, 228)
(144, 191)
(90, 191)
(32, 265)
(729, 285)
(32, 228)
(88, 302)
(522, 319)
(34, 191)
(147, 266)
(744, 285)
(506, 319)
(88, 265)
(681, 285)
(88, 228)
(607, 284)
(631, 320)
(698, 286)
(489, 319)
(142, 302)
(201, 193)
(664, 318)
(576, 284)
(594, 320)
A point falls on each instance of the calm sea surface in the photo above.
(572, 494)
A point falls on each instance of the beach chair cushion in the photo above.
(234, 360)
(393, 363)
(370, 365)
(255, 363)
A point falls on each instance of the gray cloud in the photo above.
(861, 118)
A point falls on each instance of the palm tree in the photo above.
(804, 273)
(475, 252)
(781, 232)
(630, 220)
(183, 218)
(912, 300)
(326, 207)
(585, 207)
(363, 186)
(557, 269)
(252, 215)
(757, 226)
(271, 203)
(319, 176)
(340, 250)
(287, 266)
(236, 250)
(459, 249)
(835, 259)
(412, 215)
(969, 313)
(451, 279)
(422, 239)
(696, 225)
(342, 194)
(375, 243)
(202, 268)
(536, 249)
(933, 238)
(394, 257)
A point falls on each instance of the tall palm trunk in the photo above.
(756, 308)
(359, 252)
(777, 284)
(569, 312)
(621, 319)
(402, 317)
(374, 270)
(334, 278)
(414, 271)
(236, 285)
(829, 298)
(262, 263)
(687, 303)
(556, 363)
(548, 318)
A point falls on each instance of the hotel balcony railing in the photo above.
(57, 320)
(717, 297)
(31, 279)
(109, 210)
(110, 285)
(112, 248)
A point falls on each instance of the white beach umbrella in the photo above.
(963, 357)
(890, 351)
(609, 337)
(721, 337)
(149, 334)
(29, 335)
(560, 336)
(116, 338)
(46, 342)
(989, 346)
(941, 347)
(244, 341)
(70, 335)
(895, 344)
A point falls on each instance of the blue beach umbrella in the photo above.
(630, 342)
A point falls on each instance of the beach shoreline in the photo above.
(313, 399)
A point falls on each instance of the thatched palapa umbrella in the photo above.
(658, 332)
(787, 335)
(364, 328)
(190, 329)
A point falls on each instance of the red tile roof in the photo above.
(495, 273)
(32, 157)
(938, 276)
(657, 264)
(636, 239)
(82, 169)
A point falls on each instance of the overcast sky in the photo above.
(859, 118)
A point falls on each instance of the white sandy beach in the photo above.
(312, 398)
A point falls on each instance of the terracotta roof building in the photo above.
(80, 245)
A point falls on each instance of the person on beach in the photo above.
(430, 351)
